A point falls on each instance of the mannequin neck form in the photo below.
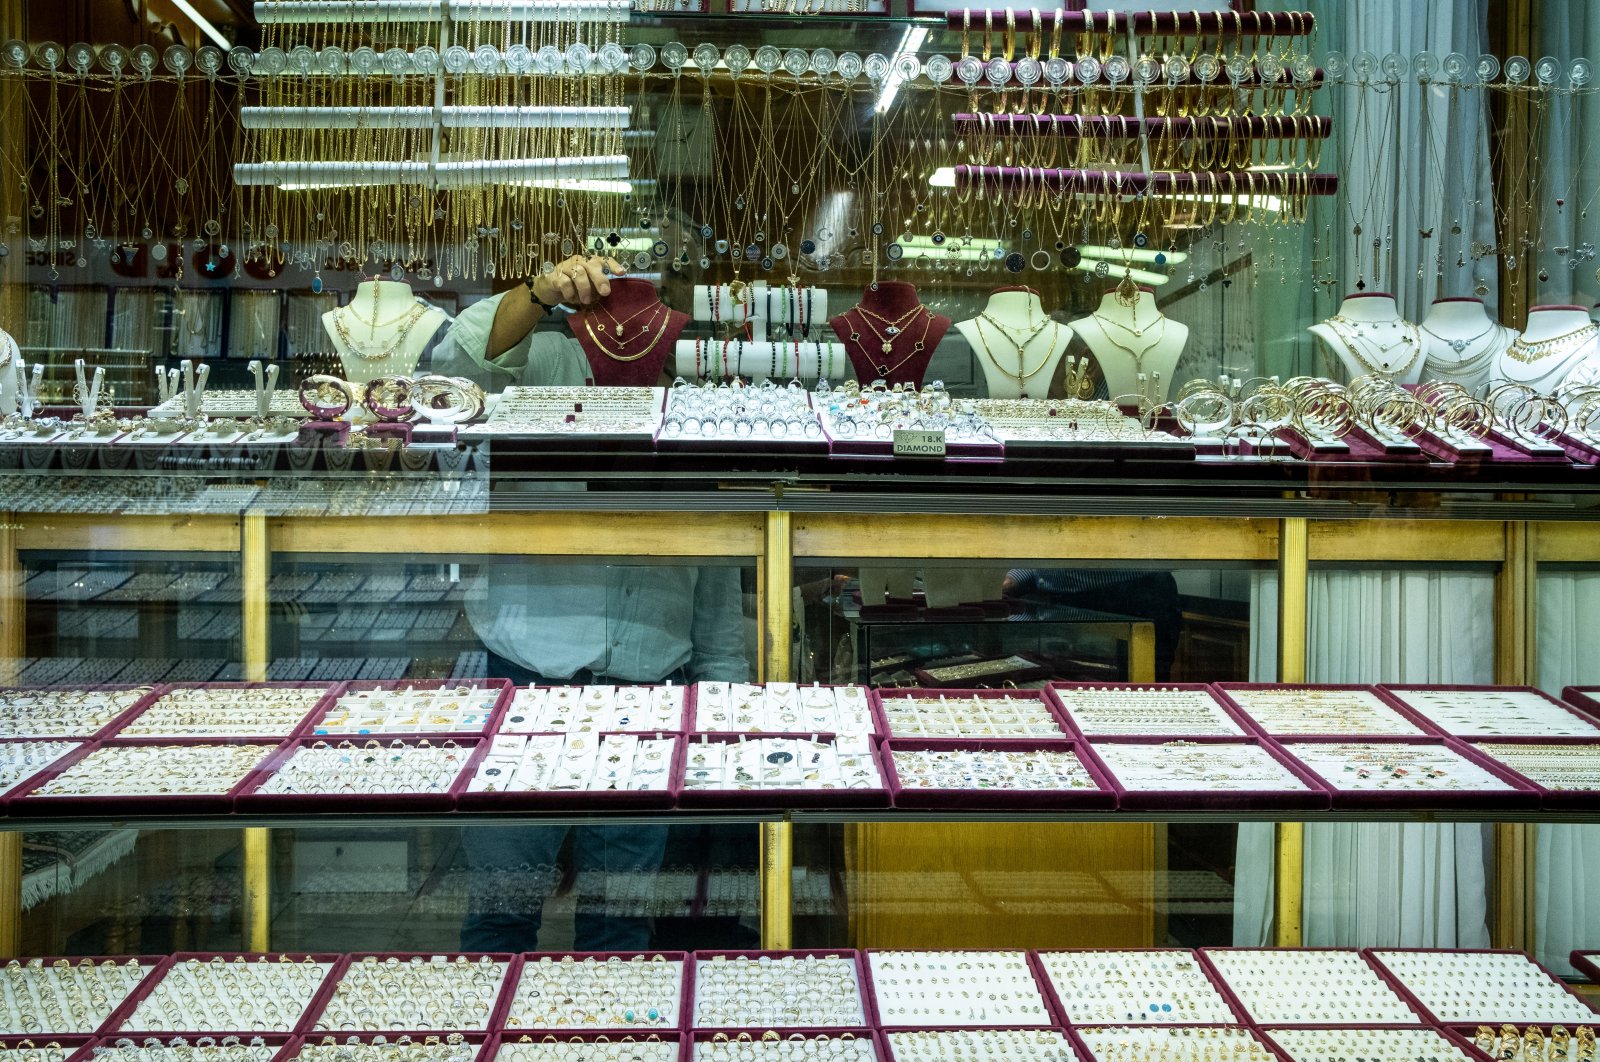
(1020, 305)
(392, 297)
(1143, 313)
(1547, 322)
(891, 299)
(1374, 306)
(630, 293)
(1457, 314)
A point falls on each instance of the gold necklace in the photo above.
(415, 315)
(1414, 341)
(1528, 353)
(1021, 375)
(666, 318)
(1137, 333)
(617, 325)
(883, 367)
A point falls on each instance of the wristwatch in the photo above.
(548, 307)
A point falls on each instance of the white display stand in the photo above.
(1370, 338)
(1580, 363)
(380, 318)
(702, 359)
(1461, 342)
(1136, 347)
(1014, 328)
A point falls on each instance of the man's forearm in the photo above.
(579, 282)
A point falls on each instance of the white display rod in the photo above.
(768, 304)
(717, 359)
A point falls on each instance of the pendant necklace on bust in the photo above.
(1137, 333)
(1458, 345)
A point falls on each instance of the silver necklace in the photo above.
(1458, 345)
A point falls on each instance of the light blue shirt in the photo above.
(630, 622)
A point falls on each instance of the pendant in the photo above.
(619, 330)
(888, 348)
(883, 370)
(892, 330)
(1458, 345)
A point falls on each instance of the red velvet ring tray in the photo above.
(314, 1004)
(532, 959)
(1102, 796)
(1313, 798)
(1375, 957)
(1521, 795)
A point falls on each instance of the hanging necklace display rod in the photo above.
(436, 174)
(1125, 127)
(1250, 23)
(280, 12)
(485, 117)
(1127, 182)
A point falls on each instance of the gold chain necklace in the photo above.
(1137, 333)
(616, 325)
(883, 367)
(415, 315)
(1528, 353)
(1414, 341)
(1022, 376)
(666, 318)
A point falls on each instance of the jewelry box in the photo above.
(1308, 986)
(1156, 986)
(1470, 986)
(993, 774)
(1281, 711)
(1495, 712)
(784, 990)
(636, 991)
(1171, 710)
(943, 989)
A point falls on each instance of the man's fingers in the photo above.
(597, 277)
(580, 281)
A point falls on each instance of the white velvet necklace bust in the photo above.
(382, 332)
(1370, 338)
(1577, 359)
(1461, 342)
(1130, 338)
(1014, 330)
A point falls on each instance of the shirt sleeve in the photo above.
(716, 630)
(541, 359)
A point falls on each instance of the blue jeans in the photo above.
(514, 867)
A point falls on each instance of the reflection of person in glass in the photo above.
(579, 624)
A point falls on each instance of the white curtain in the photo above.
(1371, 884)
(1566, 870)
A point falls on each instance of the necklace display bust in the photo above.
(889, 335)
(1129, 337)
(1461, 341)
(10, 369)
(627, 336)
(1559, 344)
(1370, 338)
(382, 331)
(1017, 343)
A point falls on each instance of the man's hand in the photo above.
(580, 281)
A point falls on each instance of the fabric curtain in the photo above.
(1372, 884)
(1566, 883)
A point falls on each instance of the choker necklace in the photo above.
(1458, 345)
(666, 319)
(1528, 353)
(415, 314)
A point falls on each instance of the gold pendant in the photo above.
(888, 348)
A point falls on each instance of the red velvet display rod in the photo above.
(1264, 23)
(1130, 183)
(1076, 125)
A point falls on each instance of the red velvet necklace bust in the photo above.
(628, 335)
(889, 335)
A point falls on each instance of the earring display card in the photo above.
(80, 713)
(575, 763)
(1372, 1045)
(782, 708)
(635, 992)
(812, 990)
(593, 709)
(1397, 767)
(1573, 768)
(1484, 712)
(1175, 711)
(42, 997)
(21, 760)
(1123, 1043)
(259, 994)
(639, 1048)
(780, 763)
(1461, 987)
(981, 1045)
(1160, 986)
(436, 992)
(1341, 710)
(454, 708)
(1308, 986)
(225, 711)
(943, 989)
(983, 713)
(786, 1045)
